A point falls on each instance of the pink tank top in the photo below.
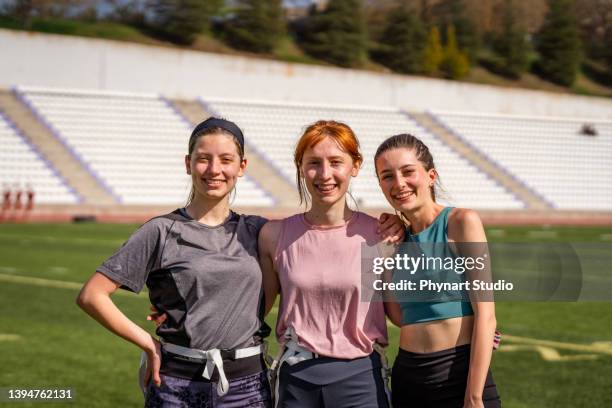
(319, 269)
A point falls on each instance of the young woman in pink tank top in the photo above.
(314, 260)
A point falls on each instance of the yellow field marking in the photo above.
(50, 283)
(9, 337)
(599, 347)
(549, 353)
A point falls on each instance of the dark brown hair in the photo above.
(410, 142)
(209, 131)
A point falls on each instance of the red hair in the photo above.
(341, 133)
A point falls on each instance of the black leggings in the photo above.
(433, 380)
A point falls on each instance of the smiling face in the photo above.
(405, 182)
(214, 165)
(327, 171)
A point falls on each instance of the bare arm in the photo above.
(95, 300)
(469, 228)
(267, 242)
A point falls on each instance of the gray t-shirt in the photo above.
(206, 279)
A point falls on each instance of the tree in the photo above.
(608, 53)
(179, 20)
(455, 64)
(337, 35)
(257, 25)
(211, 9)
(558, 44)
(458, 14)
(24, 11)
(465, 31)
(595, 20)
(132, 13)
(402, 42)
(511, 44)
(433, 53)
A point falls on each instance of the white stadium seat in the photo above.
(22, 167)
(133, 143)
(274, 128)
(550, 155)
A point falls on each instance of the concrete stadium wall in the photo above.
(72, 62)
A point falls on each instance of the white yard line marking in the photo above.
(51, 283)
(542, 234)
(58, 269)
(9, 337)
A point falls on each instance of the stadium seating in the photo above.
(554, 157)
(273, 129)
(22, 167)
(133, 143)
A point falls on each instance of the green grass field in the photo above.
(46, 340)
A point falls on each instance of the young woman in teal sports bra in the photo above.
(445, 347)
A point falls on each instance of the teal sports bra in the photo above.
(417, 312)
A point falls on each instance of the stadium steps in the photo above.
(62, 160)
(482, 162)
(258, 169)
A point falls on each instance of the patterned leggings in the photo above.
(249, 391)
